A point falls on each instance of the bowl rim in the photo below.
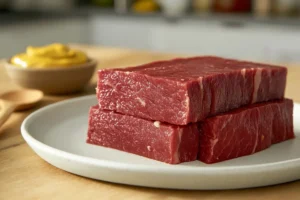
(91, 62)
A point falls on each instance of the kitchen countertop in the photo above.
(24, 175)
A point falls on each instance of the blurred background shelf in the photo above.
(244, 35)
(87, 11)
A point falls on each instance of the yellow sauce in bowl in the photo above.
(54, 55)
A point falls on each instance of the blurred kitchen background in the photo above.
(261, 30)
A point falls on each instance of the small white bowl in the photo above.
(55, 80)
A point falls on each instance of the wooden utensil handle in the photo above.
(6, 108)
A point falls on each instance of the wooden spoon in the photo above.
(16, 101)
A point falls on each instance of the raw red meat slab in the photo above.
(162, 142)
(188, 90)
(245, 131)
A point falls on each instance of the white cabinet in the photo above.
(254, 42)
(122, 32)
(262, 42)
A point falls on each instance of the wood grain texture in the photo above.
(24, 175)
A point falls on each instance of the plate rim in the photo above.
(209, 169)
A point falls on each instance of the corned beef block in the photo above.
(245, 131)
(163, 142)
(188, 90)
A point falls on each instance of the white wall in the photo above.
(262, 42)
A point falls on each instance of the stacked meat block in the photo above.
(209, 108)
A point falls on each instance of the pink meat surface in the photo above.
(152, 139)
(188, 90)
(245, 131)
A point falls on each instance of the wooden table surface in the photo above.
(24, 175)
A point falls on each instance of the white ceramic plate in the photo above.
(57, 133)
